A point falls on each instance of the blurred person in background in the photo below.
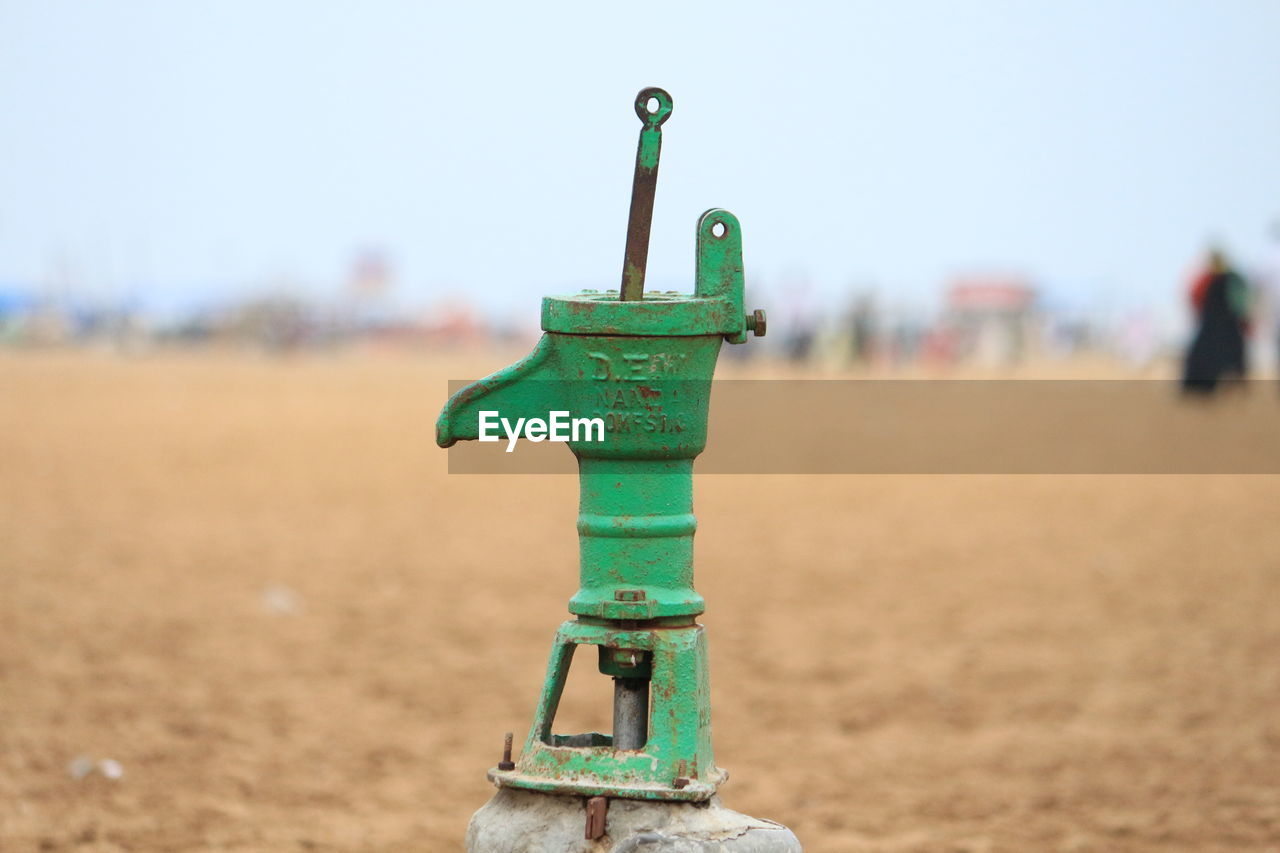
(1220, 299)
(1267, 281)
(798, 316)
(863, 330)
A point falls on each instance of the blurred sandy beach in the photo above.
(252, 584)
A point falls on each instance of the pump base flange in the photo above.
(517, 821)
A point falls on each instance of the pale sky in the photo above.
(184, 147)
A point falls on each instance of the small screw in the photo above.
(506, 763)
(756, 322)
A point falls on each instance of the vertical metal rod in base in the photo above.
(630, 713)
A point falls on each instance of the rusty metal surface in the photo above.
(630, 712)
(597, 817)
(506, 763)
(678, 740)
(653, 106)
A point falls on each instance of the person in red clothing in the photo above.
(1220, 299)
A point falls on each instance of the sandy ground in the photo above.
(253, 585)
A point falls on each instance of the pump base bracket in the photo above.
(675, 761)
(694, 791)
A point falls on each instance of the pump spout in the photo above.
(513, 390)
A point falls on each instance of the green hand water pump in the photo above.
(642, 363)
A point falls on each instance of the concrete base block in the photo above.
(517, 821)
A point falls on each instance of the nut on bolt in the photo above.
(756, 322)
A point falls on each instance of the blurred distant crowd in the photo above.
(1233, 316)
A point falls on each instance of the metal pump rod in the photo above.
(630, 712)
(643, 188)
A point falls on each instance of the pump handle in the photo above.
(653, 106)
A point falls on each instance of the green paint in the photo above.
(715, 308)
(650, 147)
(645, 366)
